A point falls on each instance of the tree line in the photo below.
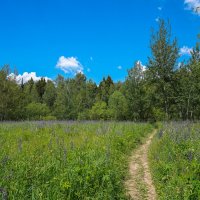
(165, 90)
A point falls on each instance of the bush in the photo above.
(99, 111)
(85, 115)
(49, 118)
(158, 114)
(36, 111)
(118, 106)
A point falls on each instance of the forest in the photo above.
(166, 90)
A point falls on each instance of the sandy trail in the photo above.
(140, 185)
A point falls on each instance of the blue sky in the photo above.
(98, 37)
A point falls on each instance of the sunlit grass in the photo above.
(67, 160)
(175, 161)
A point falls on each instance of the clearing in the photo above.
(139, 184)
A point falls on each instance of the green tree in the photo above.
(118, 106)
(40, 87)
(49, 96)
(36, 111)
(91, 92)
(161, 67)
(99, 111)
(9, 96)
(105, 89)
(59, 108)
(193, 111)
(134, 91)
(79, 97)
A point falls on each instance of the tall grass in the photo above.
(66, 160)
(175, 161)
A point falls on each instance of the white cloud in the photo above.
(185, 51)
(157, 19)
(69, 65)
(193, 5)
(139, 63)
(119, 67)
(26, 77)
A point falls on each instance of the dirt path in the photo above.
(140, 184)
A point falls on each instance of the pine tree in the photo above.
(162, 65)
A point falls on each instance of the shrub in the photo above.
(36, 111)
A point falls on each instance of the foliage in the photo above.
(118, 106)
(162, 65)
(40, 87)
(135, 93)
(106, 88)
(46, 160)
(99, 111)
(175, 161)
(49, 118)
(9, 96)
(49, 96)
(37, 110)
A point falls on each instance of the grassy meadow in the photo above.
(45, 160)
(175, 161)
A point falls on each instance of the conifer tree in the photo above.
(162, 65)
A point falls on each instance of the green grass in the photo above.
(67, 160)
(175, 161)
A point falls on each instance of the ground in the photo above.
(139, 184)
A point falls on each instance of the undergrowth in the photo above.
(66, 160)
(175, 161)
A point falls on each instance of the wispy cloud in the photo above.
(185, 51)
(69, 65)
(119, 67)
(26, 77)
(193, 5)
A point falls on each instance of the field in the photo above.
(175, 161)
(43, 160)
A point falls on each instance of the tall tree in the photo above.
(194, 72)
(118, 106)
(59, 108)
(91, 92)
(105, 89)
(40, 87)
(49, 94)
(162, 64)
(135, 93)
(9, 96)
